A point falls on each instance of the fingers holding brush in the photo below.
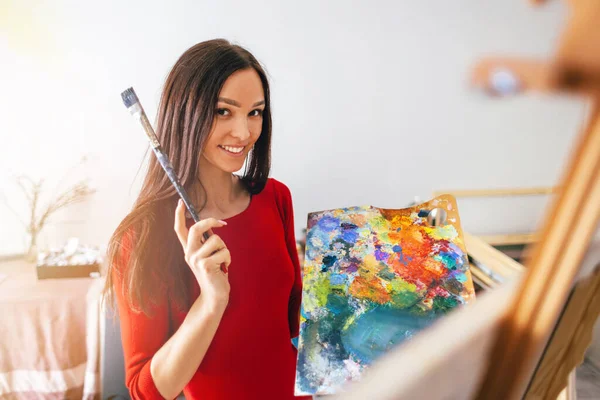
(199, 229)
(201, 253)
(220, 259)
(211, 246)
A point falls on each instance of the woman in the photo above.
(187, 324)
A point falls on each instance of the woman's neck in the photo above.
(219, 193)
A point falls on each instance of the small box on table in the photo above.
(68, 271)
(72, 261)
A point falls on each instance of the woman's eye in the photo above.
(256, 113)
(223, 112)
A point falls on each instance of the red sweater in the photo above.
(251, 356)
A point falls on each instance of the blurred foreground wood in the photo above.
(571, 338)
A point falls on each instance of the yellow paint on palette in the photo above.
(364, 233)
(370, 263)
(379, 224)
(447, 232)
(321, 285)
(350, 321)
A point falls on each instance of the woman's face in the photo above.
(238, 121)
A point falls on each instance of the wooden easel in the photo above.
(573, 217)
(490, 349)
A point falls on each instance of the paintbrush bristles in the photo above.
(129, 97)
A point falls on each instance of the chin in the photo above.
(225, 163)
(230, 167)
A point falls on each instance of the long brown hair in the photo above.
(155, 260)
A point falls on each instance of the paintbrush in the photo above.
(134, 106)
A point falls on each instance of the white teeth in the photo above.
(235, 150)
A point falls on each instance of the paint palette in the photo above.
(372, 279)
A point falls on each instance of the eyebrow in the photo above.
(235, 103)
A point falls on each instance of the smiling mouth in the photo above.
(233, 150)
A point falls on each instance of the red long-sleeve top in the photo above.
(251, 355)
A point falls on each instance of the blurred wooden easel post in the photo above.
(490, 349)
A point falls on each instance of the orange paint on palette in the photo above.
(396, 223)
(405, 220)
(413, 233)
(369, 289)
(413, 272)
(395, 237)
(415, 248)
(435, 268)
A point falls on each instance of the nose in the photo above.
(240, 129)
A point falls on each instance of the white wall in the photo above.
(370, 101)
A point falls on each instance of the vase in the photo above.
(32, 249)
